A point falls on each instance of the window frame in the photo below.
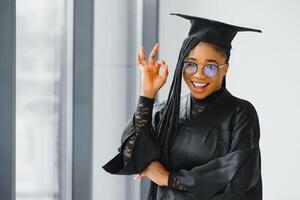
(7, 105)
(82, 99)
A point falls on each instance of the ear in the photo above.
(226, 68)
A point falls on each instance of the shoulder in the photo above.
(243, 110)
(240, 105)
(245, 124)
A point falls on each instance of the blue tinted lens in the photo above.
(190, 67)
(210, 70)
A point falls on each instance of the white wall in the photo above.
(256, 73)
(115, 38)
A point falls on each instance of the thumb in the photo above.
(138, 177)
(165, 73)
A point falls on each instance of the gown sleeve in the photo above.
(138, 143)
(230, 176)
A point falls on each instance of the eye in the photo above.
(211, 66)
(189, 67)
(190, 64)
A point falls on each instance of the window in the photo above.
(41, 100)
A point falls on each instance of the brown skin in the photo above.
(156, 172)
(202, 54)
(152, 81)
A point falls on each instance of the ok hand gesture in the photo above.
(151, 80)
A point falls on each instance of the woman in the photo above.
(203, 145)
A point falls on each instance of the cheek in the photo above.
(216, 81)
(187, 80)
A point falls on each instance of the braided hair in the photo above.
(168, 123)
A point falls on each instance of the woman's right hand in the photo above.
(151, 80)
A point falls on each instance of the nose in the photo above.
(199, 73)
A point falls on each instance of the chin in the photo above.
(199, 96)
(200, 93)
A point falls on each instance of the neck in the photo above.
(208, 98)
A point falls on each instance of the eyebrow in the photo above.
(206, 60)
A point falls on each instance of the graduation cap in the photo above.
(212, 31)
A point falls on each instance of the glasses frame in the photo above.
(202, 67)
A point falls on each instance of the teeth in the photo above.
(200, 84)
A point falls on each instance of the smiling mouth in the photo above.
(199, 85)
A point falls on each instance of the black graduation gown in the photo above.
(215, 154)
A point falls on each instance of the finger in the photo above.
(144, 63)
(165, 73)
(157, 64)
(153, 53)
(138, 59)
(141, 63)
(160, 63)
(142, 54)
(138, 178)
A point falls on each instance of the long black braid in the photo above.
(168, 124)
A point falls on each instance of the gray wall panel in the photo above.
(82, 99)
(7, 98)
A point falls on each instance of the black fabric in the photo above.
(215, 155)
(142, 129)
(142, 121)
(167, 126)
(213, 31)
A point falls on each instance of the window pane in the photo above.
(40, 135)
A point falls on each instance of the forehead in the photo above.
(204, 51)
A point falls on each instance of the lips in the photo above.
(200, 85)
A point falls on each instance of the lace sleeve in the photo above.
(142, 122)
(175, 183)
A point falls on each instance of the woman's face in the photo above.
(203, 54)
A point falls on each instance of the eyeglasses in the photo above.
(209, 70)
